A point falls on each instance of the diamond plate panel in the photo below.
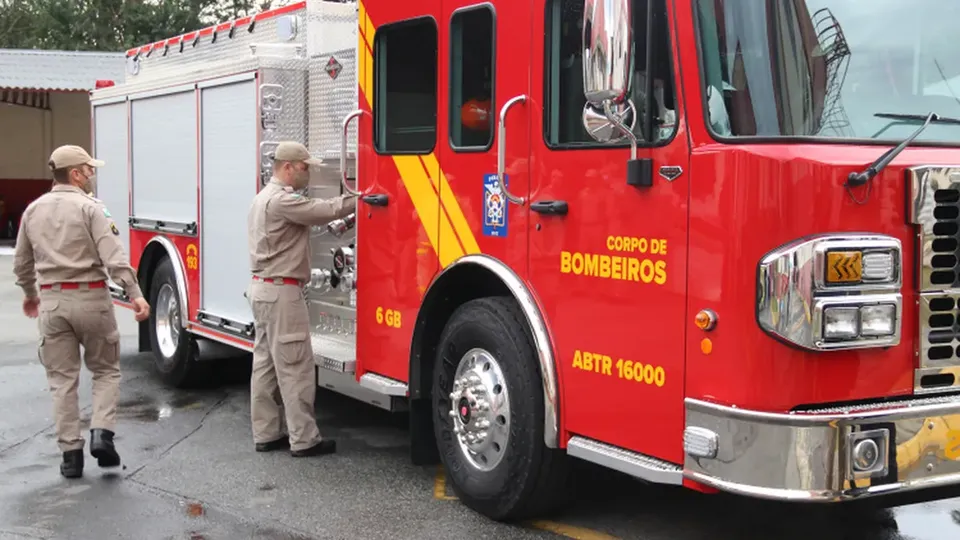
(332, 99)
(215, 56)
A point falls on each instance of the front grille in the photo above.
(943, 244)
(935, 210)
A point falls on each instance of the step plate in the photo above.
(641, 466)
(346, 384)
(333, 354)
(383, 385)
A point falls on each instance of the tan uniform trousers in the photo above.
(68, 319)
(282, 356)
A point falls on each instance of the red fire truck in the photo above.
(706, 243)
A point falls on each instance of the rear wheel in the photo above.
(175, 350)
(488, 414)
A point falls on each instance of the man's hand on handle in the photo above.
(142, 312)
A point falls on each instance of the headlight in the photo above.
(844, 323)
(841, 322)
(879, 320)
(834, 291)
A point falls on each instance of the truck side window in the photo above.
(471, 78)
(405, 87)
(563, 73)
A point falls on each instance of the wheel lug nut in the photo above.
(453, 395)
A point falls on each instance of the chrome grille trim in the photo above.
(904, 403)
(935, 209)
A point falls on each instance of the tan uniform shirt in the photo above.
(68, 236)
(278, 229)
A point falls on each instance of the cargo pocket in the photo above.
(293, 347)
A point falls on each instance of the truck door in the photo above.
(608, 259)
(397, 218)
(485, 70)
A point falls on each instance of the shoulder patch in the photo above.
(106, 212)
(113, 229)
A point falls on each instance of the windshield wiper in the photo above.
(860, 178)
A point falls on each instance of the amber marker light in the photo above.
(706, 346)
(706, 320)
(847, 266)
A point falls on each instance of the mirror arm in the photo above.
(612, 116)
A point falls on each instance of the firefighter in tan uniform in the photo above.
(278, 234)
(68, 245)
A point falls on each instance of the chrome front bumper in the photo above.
(808, 456)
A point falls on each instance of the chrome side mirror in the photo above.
(607, 48)
(607, 72)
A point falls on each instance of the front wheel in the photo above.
(175, 350)
(488, 414)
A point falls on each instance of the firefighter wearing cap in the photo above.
(67, 246)
(278, 235)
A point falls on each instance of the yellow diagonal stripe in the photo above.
(449, 201)
(427, 205)
(433, 198)
(364, 25)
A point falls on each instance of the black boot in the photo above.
(101, 447)
(322, 448)
(72, 466)
(280, 444)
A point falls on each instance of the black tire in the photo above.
(530, 479)
(179, 367)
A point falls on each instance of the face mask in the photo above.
(91, 185)
(302, 179)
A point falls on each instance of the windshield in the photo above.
(823, 68)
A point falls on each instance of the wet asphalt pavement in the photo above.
(191, 473)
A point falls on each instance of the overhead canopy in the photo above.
(58, 71)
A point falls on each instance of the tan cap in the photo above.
(294, 151)
(72, 156)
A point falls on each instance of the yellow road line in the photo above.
(570, 531)
(440, 486)
(562, 529)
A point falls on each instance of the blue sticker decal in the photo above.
(494, 206)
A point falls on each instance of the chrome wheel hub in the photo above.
(480, 409)
(168, 321)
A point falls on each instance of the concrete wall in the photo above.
(27, 137)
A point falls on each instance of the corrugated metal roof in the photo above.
(58, 70)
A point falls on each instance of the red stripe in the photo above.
(69, 285)
(227, 337)
(269, 14)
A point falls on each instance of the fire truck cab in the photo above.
(707, 243)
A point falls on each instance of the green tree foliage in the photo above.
(111, 25)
